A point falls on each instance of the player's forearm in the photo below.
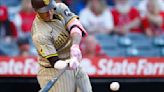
(76, 36)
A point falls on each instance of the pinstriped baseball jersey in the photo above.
(50, 39)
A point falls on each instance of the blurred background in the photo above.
(125, 44)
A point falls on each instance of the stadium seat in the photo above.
(108, 44)
(2, 53)
(107, 41)
(140, 41)
(124, 41)
(159, 41)
(162, 52)
(154, 52)
(139, 52)
(135, 36)
(132, 52)
(137, 45)
(9, 48)
(142, 44)
(101, 37)
(115, 52)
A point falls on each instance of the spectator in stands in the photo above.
(142, 7)
(27, 16)
(23, 46)
(153, 21)
(2, 53)
(14, 7)
(96, 17)
(126, 17)
(8, 33)
(7, 28)
(91, 48)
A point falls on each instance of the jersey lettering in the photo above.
(61, 39)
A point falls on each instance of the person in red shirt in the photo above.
(153, 21)
(27, 16)
(7, 27)
(27, 19)
(126, 17)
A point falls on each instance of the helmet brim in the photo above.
(47, 8)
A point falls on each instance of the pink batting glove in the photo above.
(74, 63)
(75, 52)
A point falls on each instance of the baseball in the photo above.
(114, 86)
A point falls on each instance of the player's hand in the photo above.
(74, 63)
(75, 52)
(60, 64)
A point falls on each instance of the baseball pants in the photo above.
(68, 82)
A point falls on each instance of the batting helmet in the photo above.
(42, 6)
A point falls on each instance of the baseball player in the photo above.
(56, 34)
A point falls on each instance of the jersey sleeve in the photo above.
(44, 46)
(65, 12)
(71, 20)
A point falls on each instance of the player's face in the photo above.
(47, 16)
